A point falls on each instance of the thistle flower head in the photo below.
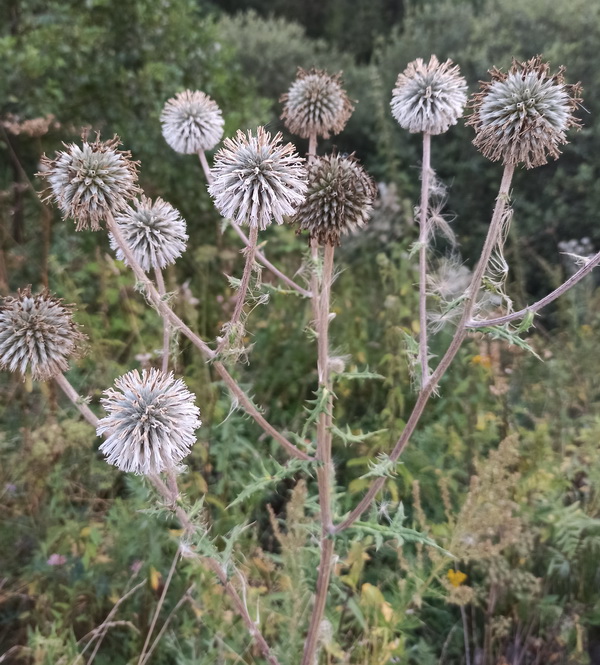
(523, 116)
(92, 181)
(429, 97)
(257, 180)
(339, 199)
(155, 233)
(317, 104)
(150, 423)
(191, 122)
(37, 334)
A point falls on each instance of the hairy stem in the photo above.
(243, 289)
(77, 400)
(493, 235)
(312, 147)
(546, 300)
(260, 257)
(325, 469)
(165, 311)
(160, 283)
(423, 243)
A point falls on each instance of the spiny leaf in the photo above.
(384, 467)
(359, 374)
(508, 334)
(348, 437)
(400, 533)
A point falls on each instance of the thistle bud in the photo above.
(150, 424)
(317, 104)
(191, 122)
(429, 97)
(37, 335)
(522, 116)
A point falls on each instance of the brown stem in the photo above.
(423, 243)
(492, 238)
(177, 323)
(160, 283)
(260, 257)
(325, 470)
(77, 400)
(312, 147)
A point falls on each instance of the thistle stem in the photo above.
(493, 235)
(423, 243)
(166, 312)
(77, 400)
(160, 283)
(260, 257)
(250, 252)
(312, 147)
(325, 470)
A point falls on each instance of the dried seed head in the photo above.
(150, 423)
(523, 116)
(339, 199)
(257, 180)
(91, 182)
(37, 334)
(191, 122)
(155, 233)
(316, 103)
(429, 97)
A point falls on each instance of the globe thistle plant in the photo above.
(155, 233)
(521, 117)
(339, 199)
(150, 424)
(429, 97)
(316, 104)
(191, 122)
(92, 181)
(257, 180)
(37, 335)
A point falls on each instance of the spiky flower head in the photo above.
(257, 180)
(150, 423)
(522, 116)
(317, 104)
(429, 97)
(339, 199)
(155, 233)
(92, 181)
(191, 122)
(37, 334)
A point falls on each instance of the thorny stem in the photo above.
(218, 570)
(170, 315)
(532, 309)
(77, 400)
(493, 235)
(423, 243)
(160, 283)
(260, 257)
(325, 469)
(250, 252)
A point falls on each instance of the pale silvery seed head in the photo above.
(317, 104)
(92, 181)
(339, 199)
(150, 424)
(191, 122)
(429, 97)
(257, 180)
(37, 334)
(523, 116)
(155, 233)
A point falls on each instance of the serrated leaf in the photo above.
(510, 335)
(348, 437)
(400, 533)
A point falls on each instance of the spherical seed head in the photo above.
(92, 181)
(150, 424)
(523, 116)
(339, 199)
(155, 233)
(257, 180)
(317, 104)
(429, 97)
(37, 335)
(191, 122)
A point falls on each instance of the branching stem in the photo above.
(160, 283)
(77, 400)
(423, 245)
